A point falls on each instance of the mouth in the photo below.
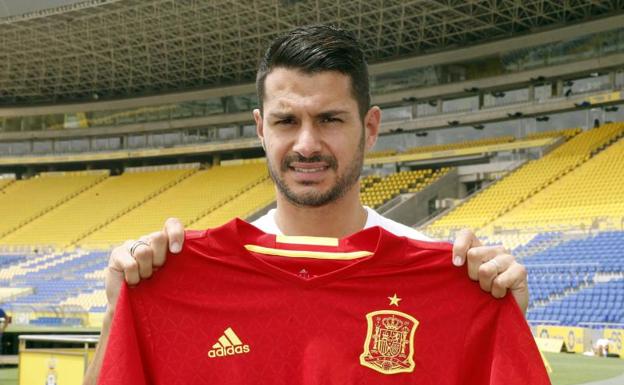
(309, 170)
(308, 167)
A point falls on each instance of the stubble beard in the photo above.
(316, 199)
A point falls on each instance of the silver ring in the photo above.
(135, 245)
(495, 264)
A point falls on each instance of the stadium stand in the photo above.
(375, 190)
(207, 198)
(4, 182)
(23, 201)
(190, 200)
(29, 285)
(591, 192)
(578, 280)
(91, 206)
(532, 177)
(560, 224)
(46, 281)
(243, 205)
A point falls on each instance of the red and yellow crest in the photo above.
(389, 346)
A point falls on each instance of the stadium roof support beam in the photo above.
(107, 49)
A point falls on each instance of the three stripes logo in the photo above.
(228, 345)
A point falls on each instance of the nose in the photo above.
(308, 141)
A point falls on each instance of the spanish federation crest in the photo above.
(389, 346)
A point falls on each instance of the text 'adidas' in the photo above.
(229, 344)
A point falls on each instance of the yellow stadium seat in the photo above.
(525, 182)
(27, 200)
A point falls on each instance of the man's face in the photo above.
(313, 135)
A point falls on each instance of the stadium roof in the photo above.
(113, 49)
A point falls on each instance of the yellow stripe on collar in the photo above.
(345, 256)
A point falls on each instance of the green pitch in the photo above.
(571, 369)
(568, 369)
(8, 376)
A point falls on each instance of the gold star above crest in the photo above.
(394, 300)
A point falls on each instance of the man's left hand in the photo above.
(493, 266)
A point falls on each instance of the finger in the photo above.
(144, 256)
(514, 279)
(174, 230)
(489, 270)
(114, 276)
(122, 262)
(159, 243)
(464, 240)
(477, 256)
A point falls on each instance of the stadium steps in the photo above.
(243, 205)
(66, 271)
(208, 211)
(425, 225)
(133, 206)
(103, 175)
(89, 209)
(6, 182)
(21, 267)
(565, 158)
(43, 264)
(201, 192)
(587, 197)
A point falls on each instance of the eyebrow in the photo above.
(281, 115)
(284, 115)
(333, 112)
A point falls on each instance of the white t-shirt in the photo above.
(267, 224)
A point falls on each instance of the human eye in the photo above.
(331, 119)
(285, 121)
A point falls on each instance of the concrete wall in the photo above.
(415, 208)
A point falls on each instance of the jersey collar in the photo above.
(360, 251)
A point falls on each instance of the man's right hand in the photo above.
(145, 259)
(122, 265)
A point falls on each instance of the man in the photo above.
(315, 123)
(5, 320)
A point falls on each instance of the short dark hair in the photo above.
(318, 48)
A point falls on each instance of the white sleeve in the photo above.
(396, 228)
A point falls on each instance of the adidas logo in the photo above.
(229, 344)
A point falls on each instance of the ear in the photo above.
(372, 121)
(259, 126)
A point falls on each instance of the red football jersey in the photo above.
(238, 306)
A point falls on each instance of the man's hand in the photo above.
(148, 255)
(493, 266)
(132, 261)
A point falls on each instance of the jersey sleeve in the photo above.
(500, 349)
(126, 348)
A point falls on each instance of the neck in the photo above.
(337, 219)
